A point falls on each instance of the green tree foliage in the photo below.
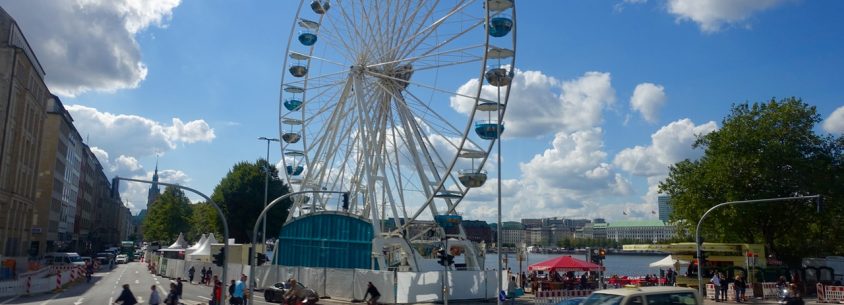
(764, 150)
(241, 196)
(204, 219)
(168, 216)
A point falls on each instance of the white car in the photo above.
(122, 259)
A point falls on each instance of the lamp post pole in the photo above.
(266, 180)
(699, 243)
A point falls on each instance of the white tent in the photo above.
(668, 262)
(204, 249)
(180, 242)
(199, 243)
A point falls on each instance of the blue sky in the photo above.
(607, 93)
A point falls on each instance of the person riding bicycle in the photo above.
(291, 296)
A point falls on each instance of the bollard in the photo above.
(28, 284)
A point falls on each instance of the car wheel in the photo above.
(268, 296)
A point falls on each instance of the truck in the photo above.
(127, 247)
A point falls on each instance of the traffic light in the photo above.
(702, 259)
(115, 187)
(445, 259)
(346, 201)
(595, 256)
(220, 258)
(261, 259)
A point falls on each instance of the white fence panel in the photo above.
(13, 287)
(418, 287)
(384, 281)
(313, 278)
(339, 284)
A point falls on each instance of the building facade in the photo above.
(58, 182)
(664, 204)
(643, 230)
(23, 100)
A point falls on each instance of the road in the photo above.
(106, 286)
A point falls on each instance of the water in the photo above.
(631, 265)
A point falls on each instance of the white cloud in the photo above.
(545, 104)
(134, 195)
(711, 15)
(575, 162)
(835, 122)
(89, 45)
(670, 144)
(647, 99)
(136, 136)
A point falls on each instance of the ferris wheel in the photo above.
(367, 106)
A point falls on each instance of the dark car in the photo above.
(275, 293)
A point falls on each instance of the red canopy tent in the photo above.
(565, 263)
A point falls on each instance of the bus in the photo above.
(128, 247)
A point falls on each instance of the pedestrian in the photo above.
(172, 297)
(373, 293)
(179, 287)
(716, 281)
(154, 298)
(217, 292)
(191, 271)
(739, 287)
(237, 291)
(511, 289)
(126, 297)
(202, 275)
(231, 292)
(208, 277)
(725, 286)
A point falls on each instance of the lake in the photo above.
(632, 265)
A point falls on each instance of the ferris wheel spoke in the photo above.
(433, 88)
(428, 56)
(420, 35)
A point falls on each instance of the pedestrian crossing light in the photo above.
(220, 258)
(346, 201)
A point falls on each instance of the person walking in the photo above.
(739, 287)
(725, 286)
(172, 297)
(191, 271)
(179, 287)
(126, 297)
(208, 276)
(202, 275)
(373, 293)
(716, 281)
(154, 297)
(217, 292)
(237, 292)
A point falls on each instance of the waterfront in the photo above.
(632, 265)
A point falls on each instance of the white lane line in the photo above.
(204, 298)
(137, 282)
(111, 299)
(9, 300)
(79, 301)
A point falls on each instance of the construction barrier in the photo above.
(820, 292)
(831, 294)
(769, 290)
(555, 296)
(28, 285)
(58, 281)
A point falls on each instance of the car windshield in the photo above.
(75, 258)
(602, 299)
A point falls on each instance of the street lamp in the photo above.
(266, 180)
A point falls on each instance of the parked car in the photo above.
(644, 295)
(63, 258)
(122, 259)
(275, 293)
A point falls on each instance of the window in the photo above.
(636, 300)
(680, 298)
(602, 299)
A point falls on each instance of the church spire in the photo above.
(154, 192)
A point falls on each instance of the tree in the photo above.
(204, 219)
(763, 150)
(168, 216)
(241, 196)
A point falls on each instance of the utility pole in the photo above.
(266, 180)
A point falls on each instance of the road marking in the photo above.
(111, 299)
(9, 300)
(79, 301)
(202, 297)
(137, 282)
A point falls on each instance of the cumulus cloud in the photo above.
(547, 105)
(132, 135)
(647, 99)
(134, 195)
(835, 122)
(712, 15)
(89, 45)
(670, 144)
(575, 162)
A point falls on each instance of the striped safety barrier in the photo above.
(28, 285)
(833, 294)
(58, 281)
(555, 296)
(820, 291)
(769, 290)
